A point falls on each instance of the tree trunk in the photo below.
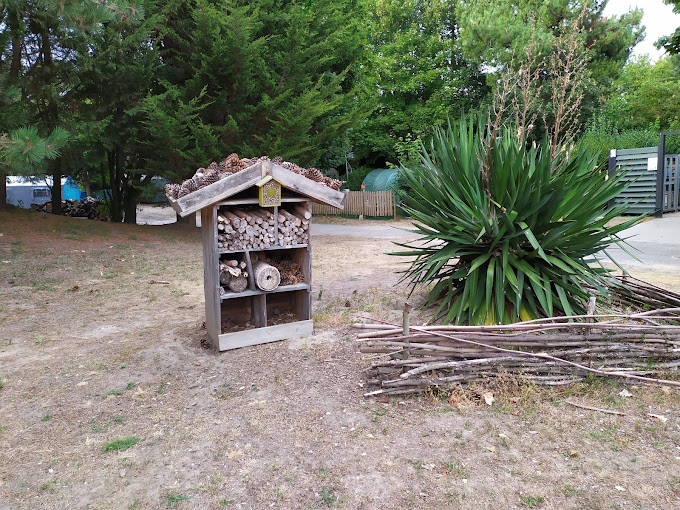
(56, 186)
(116, 212)
(3, 189)
(14, 21)
(130, 199)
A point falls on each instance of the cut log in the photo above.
(291, 219)
(303, 212)
(238, 284)
(267, 277)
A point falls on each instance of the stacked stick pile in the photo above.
(233, 164)
(632, 292)
(256, 228)
(233, 276)
(87, 208)
(552, 351)
(293, 228)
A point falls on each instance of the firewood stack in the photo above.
(87, 208)
(244, 229)
(233, 276)
(232, 164)
(292, 229)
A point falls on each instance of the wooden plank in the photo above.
(264, 335)
(211, 270)
(249, 268)
(260, 311)
(307, 187)
(303, 303)
(258, 292)
(639, 150)
(218, 190)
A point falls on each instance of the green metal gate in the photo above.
(647, 192)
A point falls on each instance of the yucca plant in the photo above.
(507, 232)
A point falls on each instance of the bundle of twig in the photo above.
(628, 291)
(547, 351)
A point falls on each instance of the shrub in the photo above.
(507, 232)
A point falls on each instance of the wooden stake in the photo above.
(407, 311)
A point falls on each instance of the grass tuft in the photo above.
(120, 444)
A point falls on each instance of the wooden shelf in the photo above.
(277, 247)
(258, 292)
(253, 305)
(226, 341)
(256, 201)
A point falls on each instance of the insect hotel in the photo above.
(256, 218)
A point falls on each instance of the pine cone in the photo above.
(277, 160)
(212, 166)
(190, 185)
(245, 163)
(232, 160)
(211, 177)
(292, 167)
(172, 190)
(314, 174)
(332, 183)
(182, 192)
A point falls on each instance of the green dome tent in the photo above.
(382, 179)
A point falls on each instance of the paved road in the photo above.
(655, 243)
(382, 230)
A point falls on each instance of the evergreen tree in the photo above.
(118, 73)
(671, 43)
(275, 77)
(41, 42)
(418, 78)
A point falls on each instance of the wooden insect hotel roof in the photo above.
(233, 183)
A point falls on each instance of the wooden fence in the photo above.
(369, 204)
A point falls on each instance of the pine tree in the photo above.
(42, 41)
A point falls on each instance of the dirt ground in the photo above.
(110, 400)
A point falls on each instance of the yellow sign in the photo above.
(270, 192)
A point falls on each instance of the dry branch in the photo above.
(639, 346)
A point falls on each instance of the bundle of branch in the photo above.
(549, 351)
(292, 229)
(258, 228)
(242, 229)
(628, 291)
(86, 208)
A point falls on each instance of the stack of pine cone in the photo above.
(232, 164)
(291, 272)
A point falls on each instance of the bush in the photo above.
(601, 136)
(507, 233)
(356, 177)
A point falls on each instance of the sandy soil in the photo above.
(91, 353)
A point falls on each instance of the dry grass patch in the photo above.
(283, 424)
